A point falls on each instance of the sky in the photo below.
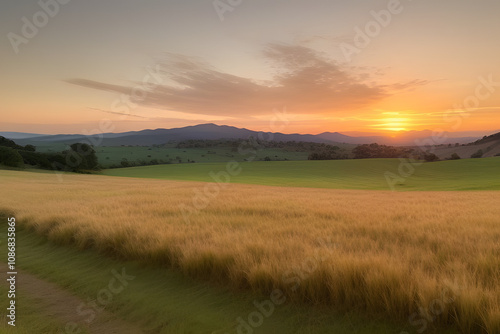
(291, 66)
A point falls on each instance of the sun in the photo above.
(393, 124)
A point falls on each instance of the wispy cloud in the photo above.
(118, 113)
(305, 81)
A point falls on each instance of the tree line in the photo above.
(79, 157)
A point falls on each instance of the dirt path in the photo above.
(62, 305)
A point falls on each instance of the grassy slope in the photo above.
(469, 174)
(163, 301)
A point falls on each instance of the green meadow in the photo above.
(113, 155)
(371, 174)
(109, 156)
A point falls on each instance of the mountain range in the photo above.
(213, 131)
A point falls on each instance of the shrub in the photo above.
(455, 156)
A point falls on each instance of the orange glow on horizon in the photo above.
(393, 124)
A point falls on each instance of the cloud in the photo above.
(304, 81)
(118, 113)
(410, 85)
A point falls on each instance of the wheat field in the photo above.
(411, 255)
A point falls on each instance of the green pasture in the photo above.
(372, 174)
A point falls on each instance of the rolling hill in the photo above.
(489, 145)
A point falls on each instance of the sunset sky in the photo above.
(416, 65)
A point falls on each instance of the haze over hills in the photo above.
(19, 135)
(213, 131)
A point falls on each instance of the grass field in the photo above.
(162, 301)
(430, 257)
(113, 155)
(469, 174)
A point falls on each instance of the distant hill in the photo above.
(18, 135)
(490, 145)
(341, 138)
(214, 132)
(161, 136)
(488, 139)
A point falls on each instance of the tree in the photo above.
(124, 163)
(35, 158)
(327, 154)
(10, 143)
(431, 157)
(368, 151)
(81, 156)
(478, 154)
(10, 157)
(30, 148)
(455, 156)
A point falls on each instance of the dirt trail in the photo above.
(62, 305)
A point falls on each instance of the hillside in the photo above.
(490, 145)
(488, 139)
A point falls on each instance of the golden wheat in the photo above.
(374, 251)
